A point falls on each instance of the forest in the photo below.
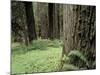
(52, 37)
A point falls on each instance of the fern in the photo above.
(79, 55)
(65, 58)
(69, 67)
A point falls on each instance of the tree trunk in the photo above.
(80, 30)
(56, 22)
(30, 21)
(50, 15)
(61, 19)
(43, 20)
(18, 20)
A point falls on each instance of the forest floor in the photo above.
(41, 56)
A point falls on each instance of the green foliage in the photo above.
(18, 48)
(33, 59)
(44, 56)
(43, 44)
(40, 44)
(79, 55)
(69, 67)
(73, 63)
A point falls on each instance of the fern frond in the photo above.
(79, 55)
(70, 67)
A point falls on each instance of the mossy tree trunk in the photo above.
(18, 20)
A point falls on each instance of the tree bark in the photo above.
(30, 21)
(56, 22)
(80, 30)
(43, 20)
(50, 15)
(18, 20)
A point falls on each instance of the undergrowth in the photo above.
(41, 56)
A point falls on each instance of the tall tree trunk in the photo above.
(50, 15)
(43, 20)
(56, 27)
(61, 19)
(18, 19)
(80, 30)
(30, 21)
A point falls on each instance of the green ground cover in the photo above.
(41, 56)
